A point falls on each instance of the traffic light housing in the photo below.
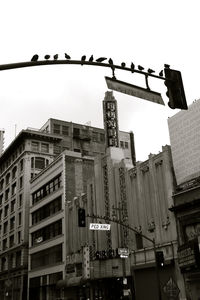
(175, 89)
(81, 217)
(160, 258)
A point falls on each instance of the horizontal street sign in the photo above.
(133, 90)
(98, 226)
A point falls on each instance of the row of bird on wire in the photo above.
(98, 60)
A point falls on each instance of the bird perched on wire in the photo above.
(150, 71)
(132, 67)
(161, 73)
(67, 56)
(91, 58)
(55, 56)
(140, 68)
(35, 57)
(101, 59)
(83, 58)
(123, 64)
(47, 56)
(110, 61)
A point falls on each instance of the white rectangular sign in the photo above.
(98, 226)
(133, 90)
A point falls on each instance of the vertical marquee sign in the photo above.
(110, 120)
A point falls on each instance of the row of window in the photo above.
(11, 175)
(11, 241)
(11, 191)
(47, 257)
(47, 189)
(123, 145)
(11, 221)
(39, 147)
(47, 232)
(47, 210)
(13, 261)
(12, 158)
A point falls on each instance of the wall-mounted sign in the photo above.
(133, 90)
(188, 255)
(110, 120)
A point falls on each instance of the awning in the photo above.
(73, 281)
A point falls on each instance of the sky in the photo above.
(150, 33)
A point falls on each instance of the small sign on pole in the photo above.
(133, 90)
(98, 226)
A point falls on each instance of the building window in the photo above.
(47, 210)
(7, 194)
(19, 237)
(18, 258)
(76, 132)
(12, 223)
(44, 147)
(126, 145)
(47, 189)
(12, 208)
(77, 150)
(47, 232)
(102, 137)
(39, 163)
(65, 130)
(121, 144)
(21, 182)
(14, 188)
(6, 211)
(56, 149)
(3, 264)
(56, 128)
(7, 178)
(20, 200)
(4, 244)
(1, 199)
(21, 165)
(1, 184)
(19, 218)
(95, 136)
(11, 240)
(14, 172)
(5, 227)
(47, 257)
(35, 146)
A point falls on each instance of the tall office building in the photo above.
(184, 128)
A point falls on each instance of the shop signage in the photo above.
(188, 255)
(98, 226)
(133, 90)
(171, 289)
(123, 252)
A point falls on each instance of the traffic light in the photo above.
(160, 258)
(81, 217)
(175, 89)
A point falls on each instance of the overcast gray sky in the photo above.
(146, 32)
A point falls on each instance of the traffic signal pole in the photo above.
(143, 236)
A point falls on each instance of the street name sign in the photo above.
(98, 226)
(133, 90)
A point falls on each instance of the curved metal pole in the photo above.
(71, 62)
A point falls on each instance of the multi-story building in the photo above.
(139, 197)
(52, 235)
(187, 212)
(184, 130)
(27, 155)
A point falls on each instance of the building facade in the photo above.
(53, 237)
(185, 140)
(27, 155)
(187, 212)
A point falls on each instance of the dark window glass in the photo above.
(47, 257)
(56, 128)
(139, 241)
